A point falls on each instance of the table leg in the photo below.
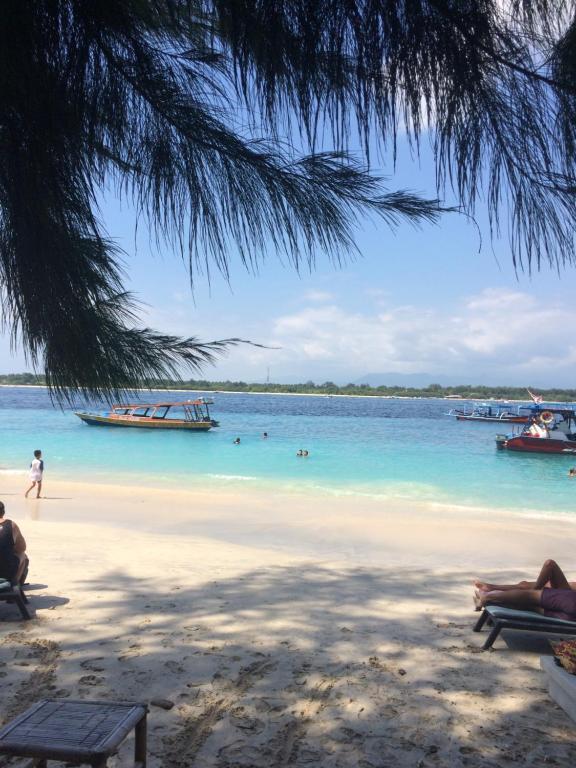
(140, 743)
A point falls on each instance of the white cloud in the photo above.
(496, 331)
(318, 296)
(494, 336)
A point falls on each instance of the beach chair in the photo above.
(13, 593)
(500, 618)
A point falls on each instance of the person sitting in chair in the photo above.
(551, 594)
(13, 559)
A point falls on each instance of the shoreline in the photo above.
(262, 488)
(347, 528)
(300, 394)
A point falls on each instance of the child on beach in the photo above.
(36, 472)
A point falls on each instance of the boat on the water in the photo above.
(494, 412)
(189, 414)
(552, 430)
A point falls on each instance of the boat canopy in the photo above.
(199, 401)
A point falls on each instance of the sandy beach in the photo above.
(282, 630)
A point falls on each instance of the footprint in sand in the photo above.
(128, 656)
(174, 666)
(90, 680)
(240, 719)
(270, 705)
(93, 665)
(240, 754)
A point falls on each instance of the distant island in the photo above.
(464, 391)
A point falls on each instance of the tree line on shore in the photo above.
(466, 391)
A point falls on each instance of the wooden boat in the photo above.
(194, 415)
(493, 413)
(553, 430)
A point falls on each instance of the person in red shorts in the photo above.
(551, 594)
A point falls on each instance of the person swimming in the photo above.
(300, 452)
(237, 441)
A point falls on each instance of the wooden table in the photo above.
(84, 732)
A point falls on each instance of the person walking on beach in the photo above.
(36, 472)
(13, 560)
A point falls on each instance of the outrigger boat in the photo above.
(195, 416)
(490, 412)
(552, 430)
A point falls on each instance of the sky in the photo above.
(435, 300)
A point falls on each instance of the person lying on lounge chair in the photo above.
(13, 559)
(551, 594)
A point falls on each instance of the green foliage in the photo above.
(19, 379)
(466, 391)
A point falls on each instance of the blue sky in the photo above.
(414, 300)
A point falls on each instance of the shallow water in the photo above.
(393, 448)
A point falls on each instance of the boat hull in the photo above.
(527, 444)
(506, 419)
(96, 420)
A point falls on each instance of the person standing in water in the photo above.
(36, 473)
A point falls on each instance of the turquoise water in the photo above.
(392, 448)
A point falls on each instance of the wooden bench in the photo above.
(80, 732)
(13, 593)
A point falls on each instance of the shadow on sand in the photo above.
(299, 666)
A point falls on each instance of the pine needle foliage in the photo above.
(491, 83)
(186, 107)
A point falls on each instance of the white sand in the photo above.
(287, 630)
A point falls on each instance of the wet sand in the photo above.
(286, 630)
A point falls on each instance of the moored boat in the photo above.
(189, 414)
(491, 412)
(552, 430)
